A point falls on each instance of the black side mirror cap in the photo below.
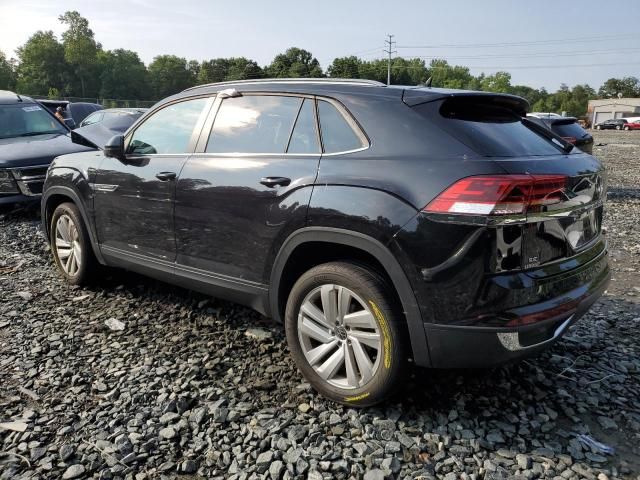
(114, 148)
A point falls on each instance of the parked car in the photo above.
(613, 123)
(380, 224)
(566, 127)
(30, 137)
(635, 125)
(73, 112)
(101, 125)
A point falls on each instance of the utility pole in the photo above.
(390, 51)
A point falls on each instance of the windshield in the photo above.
(26, 120)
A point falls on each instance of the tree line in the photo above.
(78, 66)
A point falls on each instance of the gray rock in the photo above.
(74, 471)
(275, 470)
(168, 433)
(375, 474)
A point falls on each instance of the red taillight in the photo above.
(498, 194)
(571, 140)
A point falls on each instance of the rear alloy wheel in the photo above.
(618, 127)
(598, 127)
(626, 127)
(344, 334)
(70, 244)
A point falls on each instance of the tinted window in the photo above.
(119, 121)
(304, 138)
(168, 130)
(93, 118)
(490, 129)
(569, 130)
(337, 134)
(253, 124)
(27, 119)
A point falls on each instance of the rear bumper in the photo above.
(530, 328)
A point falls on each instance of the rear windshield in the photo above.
(23, 120)
(569, 130)
(491, 130)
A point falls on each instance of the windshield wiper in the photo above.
(31, 134)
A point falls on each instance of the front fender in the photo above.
(73, 184)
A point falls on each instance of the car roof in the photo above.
(410, 94)
(10, 98)
(127, 110)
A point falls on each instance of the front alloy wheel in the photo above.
(70, 244)
(346, 333)
(67, 245)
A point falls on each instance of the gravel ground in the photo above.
(193, 387)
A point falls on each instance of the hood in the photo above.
(37, 150)
(96, 134)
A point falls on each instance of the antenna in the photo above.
(390, 51)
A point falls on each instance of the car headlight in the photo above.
(7, 185)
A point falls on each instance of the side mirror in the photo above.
(115, 147)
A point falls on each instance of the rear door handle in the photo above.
(273, 181)
(165, 176)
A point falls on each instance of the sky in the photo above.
(541, 43)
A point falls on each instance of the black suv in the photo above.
(30, 137)
(566, 127)
(611, 124)
(380, 224)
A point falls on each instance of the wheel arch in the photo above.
(58, 194)
(340, 243)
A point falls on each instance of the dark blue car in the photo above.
(30, 137)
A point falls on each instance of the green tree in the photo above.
(7, 73)
(444, 75)
(81, 50)
(628, 87)
(169, 74)
(225, 69)
(345, 67)
(41, 65)
(294, 63)
(500, 82)
(122, 75)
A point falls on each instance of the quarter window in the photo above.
(168, 130)
(253, 124)
(337, 134)
(304, 138)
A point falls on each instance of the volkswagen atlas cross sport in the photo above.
(380, 224)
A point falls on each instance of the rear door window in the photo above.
(491, 130)
(337, 133)
(253, 124)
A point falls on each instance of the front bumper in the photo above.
(28, 182)
(531, 328)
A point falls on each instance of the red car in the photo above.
(633, 125)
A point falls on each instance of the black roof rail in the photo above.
(336, 81)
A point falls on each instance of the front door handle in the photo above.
(166, 176)
(273, 181)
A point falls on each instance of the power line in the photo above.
(616, 51)
(515, 67)
(390, 51)
(531, 42)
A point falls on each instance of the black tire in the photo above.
(598, 127)
(618, 127)
(88, 265)
(626, 128)
(375, 292)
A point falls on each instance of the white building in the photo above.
(601, 110)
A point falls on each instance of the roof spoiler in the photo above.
(417, 96)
